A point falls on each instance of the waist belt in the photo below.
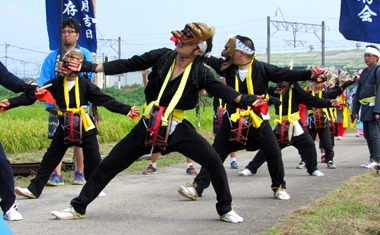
(292, 118)
(178, 114)
(157, 131)
(256, 120)
(86, 120)
(368, 100)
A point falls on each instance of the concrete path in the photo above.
(150, 204)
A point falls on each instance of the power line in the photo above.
(21, 61)
(25, 49)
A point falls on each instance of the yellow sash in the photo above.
(331, 112)
(220, 103)
(345, 110)
(78, 110)
(346, 114)
(367, 100)
(291, 117)
(354, 124)
(324, 109)
(179, 114)
(256, 120)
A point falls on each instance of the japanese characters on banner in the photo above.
(82, 11)
(360, 20)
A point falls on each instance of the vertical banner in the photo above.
(82, 11)
(360, 20)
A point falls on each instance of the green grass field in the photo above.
(24, 129)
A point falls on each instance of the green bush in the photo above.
(133, 95)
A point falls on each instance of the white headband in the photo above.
(241, 47)
(372, 50)
(203, 46)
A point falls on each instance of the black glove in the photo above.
(274, 101)
(346, 84)
(247, 99)
(87, 66)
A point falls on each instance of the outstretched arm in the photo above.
(80, 65)
(11, 81)
(20, 100)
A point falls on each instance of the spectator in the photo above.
(367, 102)
(49, 70)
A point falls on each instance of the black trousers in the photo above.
(325, 140)
(305, 146)
(7, 185)
(261, 138)
(55, 153)
(184, 140)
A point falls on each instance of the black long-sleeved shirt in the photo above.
(12, 82)
(262, 74)
(332, 93)
(299, 96)
(160, 60)
(88, 92)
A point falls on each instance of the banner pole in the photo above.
(60, 30)
(94, 55)
(94, 109)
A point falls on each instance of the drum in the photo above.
(156, 134)
(317, 119)
(72, 128)
(53, 122)
(333, 128)
(218, 117)
(281, 131)
(240, 129)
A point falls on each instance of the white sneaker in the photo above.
(67, 214)
(339, 138)
(371, 165)
(331, 165)
(24, 192)
(365, 164)
(188, 191)
(317, 173)
(12, 214)
(245, 172)
(301, 165)
(231, 217)
(281, 194)
(102, 194)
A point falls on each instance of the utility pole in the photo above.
(268, 39)
(111, 43)
(323, 43)
(6, 53)
(105, 76)
(296, 27)
(119, 56)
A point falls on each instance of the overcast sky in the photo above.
(144, 25)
